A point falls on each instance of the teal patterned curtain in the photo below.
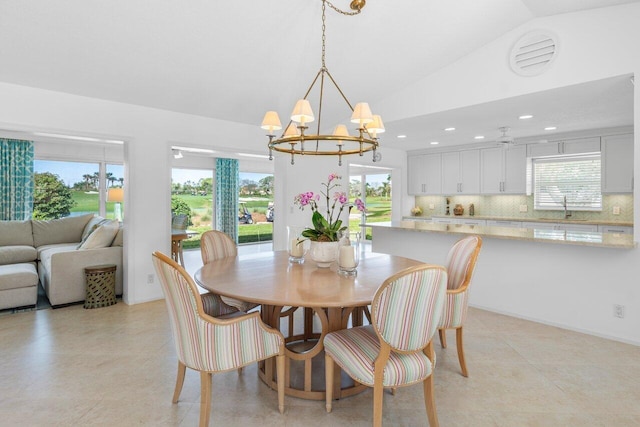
(227, 187)
(16, 179)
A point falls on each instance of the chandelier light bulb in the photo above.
(291, 130)
(376, 126)
(340, 130)
(302, 112)
(271, 122)
(361, 114)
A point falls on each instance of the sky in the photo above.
(71, 172)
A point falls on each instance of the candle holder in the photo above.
(349, 254)
(296, 245)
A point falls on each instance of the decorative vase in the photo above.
(297, 245)
(324, 253)
(349, 254)
(458, 210)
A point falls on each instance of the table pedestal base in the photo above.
(304, 366)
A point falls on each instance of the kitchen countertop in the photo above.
(520, 219)
(583, 238)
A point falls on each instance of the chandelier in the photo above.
(340, 142)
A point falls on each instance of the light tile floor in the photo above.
(116, 366)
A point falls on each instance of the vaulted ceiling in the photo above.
(234, 60)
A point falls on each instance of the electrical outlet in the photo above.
(150, 279)
(432, 206)
(523, 208)
(616, 210)
(618, 311)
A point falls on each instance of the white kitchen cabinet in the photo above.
(617, 164)
(571, 146)
(617, 229)
(461, 172)
(424, 174)
(500, 223)
(503, 171)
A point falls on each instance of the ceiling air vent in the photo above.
(533, 53)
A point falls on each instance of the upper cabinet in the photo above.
(503, 171)
(572, 146)
(617, 164)
(424, 174)
(461, 172)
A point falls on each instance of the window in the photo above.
(85, 180)
(571, 182)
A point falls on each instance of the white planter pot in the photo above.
(323, 253)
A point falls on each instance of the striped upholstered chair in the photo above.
(216, 245)
(208, 344)
(396, 350)
(461, 261)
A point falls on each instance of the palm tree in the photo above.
(87, 179)
(110, 178)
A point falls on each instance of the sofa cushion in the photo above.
(17, 254)
(18, 276)
(16, 233)
(46, 252)
(63, 230)
(102, 237)
(119, 239)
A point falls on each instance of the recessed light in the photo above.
(434, 143)
(402, 136)
(449, 129)
(525, 117)
(478, 137)
(550, 128)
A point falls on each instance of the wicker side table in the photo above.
(101, 286)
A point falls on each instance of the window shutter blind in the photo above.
(576, 177)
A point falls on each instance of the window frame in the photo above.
(567, 188)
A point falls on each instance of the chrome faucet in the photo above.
(567, 213)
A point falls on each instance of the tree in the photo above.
(266, 185)
(51, 198)
(179, 206)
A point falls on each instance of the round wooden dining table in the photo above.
(319, 299)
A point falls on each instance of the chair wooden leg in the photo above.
(205, 398)
(280, 377)
(179, 381)
(429, 402)
(443, 337)
(240, 371)
(459, 344)
(328, 375)
(378, 392)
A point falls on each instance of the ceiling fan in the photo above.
(506, 140)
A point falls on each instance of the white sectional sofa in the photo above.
(57, 249)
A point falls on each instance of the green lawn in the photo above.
(89, 202)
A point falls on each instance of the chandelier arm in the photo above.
(339, 90)
(320, 106)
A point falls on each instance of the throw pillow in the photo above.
(91, 226)
(102, 237)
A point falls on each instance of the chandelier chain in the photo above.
(339, 10)
(324, 27)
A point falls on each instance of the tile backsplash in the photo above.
(509, 207)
